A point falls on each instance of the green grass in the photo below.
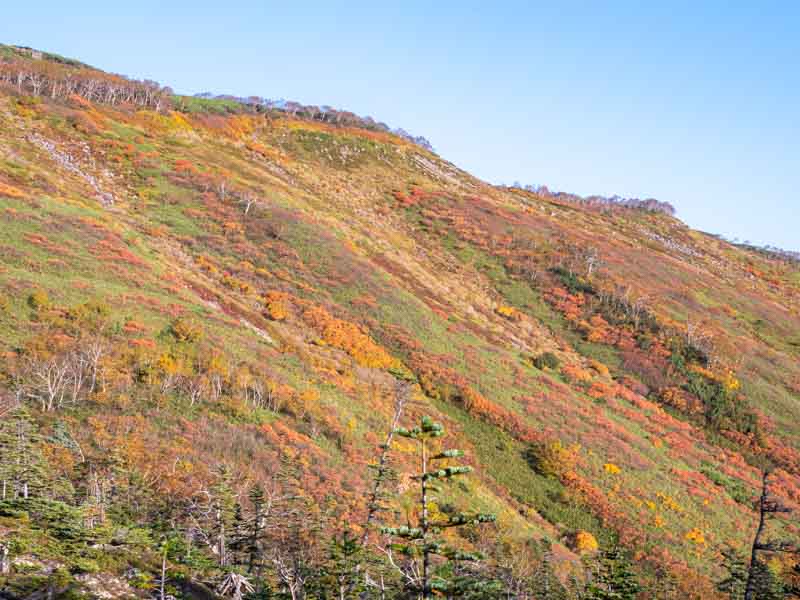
(193, 104)
(503, 459)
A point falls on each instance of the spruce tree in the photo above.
(545, 583)
(420, 543)
(615, 580)
(223, 515)
(346, 554)
(251, 531)
(22, 470)
(736, 581)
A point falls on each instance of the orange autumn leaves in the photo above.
(335, 332)
(348, 337)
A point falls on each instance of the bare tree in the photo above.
(5, 559)
(248, 199)
(196, 387)
(382, 469)
(591, 258)
(699, 337)
(93, 352)
(235, 586)
(767, 506)
(48, 382)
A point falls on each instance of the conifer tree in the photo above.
(346, 553)
(762, 583)
(419, 542)
(545, 583)
(250, 541)
(615, 580)
(224, 507)
(736, 581)
(22, 469)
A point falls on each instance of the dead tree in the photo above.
(382, 468)
(767, 506)
(5, 560)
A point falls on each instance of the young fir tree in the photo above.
(251, 541)
(736, 581)
(341, 573)
(420, 544)
(545, 583)
(223, 516)
(22, 469)
(615, 580)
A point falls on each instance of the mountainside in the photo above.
(199, 295)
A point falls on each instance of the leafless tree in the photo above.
(591, 259)
(5, 559)
(699, 337)
(196, 387)
(47, 382)
(375, 506)
(766, 506)
(248, 199)
(222, 189)
(235, 586)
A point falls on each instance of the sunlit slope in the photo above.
(257, 281)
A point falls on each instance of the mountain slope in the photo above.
(240, 287)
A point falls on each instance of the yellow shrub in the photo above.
(10, 191)
(509, 312)
(696, 536)
(39, 300)
(554, 459)
(599, 367)
(729, 381)
(186, 330)
(585, 542)
(611, 468)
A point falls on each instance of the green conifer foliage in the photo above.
(22, 469)
(615, 580)
(419, 543)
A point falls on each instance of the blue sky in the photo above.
(695, 103)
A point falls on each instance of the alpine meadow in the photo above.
(261, 349)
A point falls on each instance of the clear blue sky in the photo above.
(695, 103)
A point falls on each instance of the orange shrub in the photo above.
(236, 284)
(576, 374)
(10, 191)
(599, 367)
(276, 305)
(683, 401)
(348, 337)
(585, 542)
(601, 390)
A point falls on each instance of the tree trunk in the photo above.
(750, 590)
(401, 393)
(162, 589)
(5, 560)
(425, 554)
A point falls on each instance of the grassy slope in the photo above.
(328, 229)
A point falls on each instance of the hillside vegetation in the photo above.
(213, 313)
